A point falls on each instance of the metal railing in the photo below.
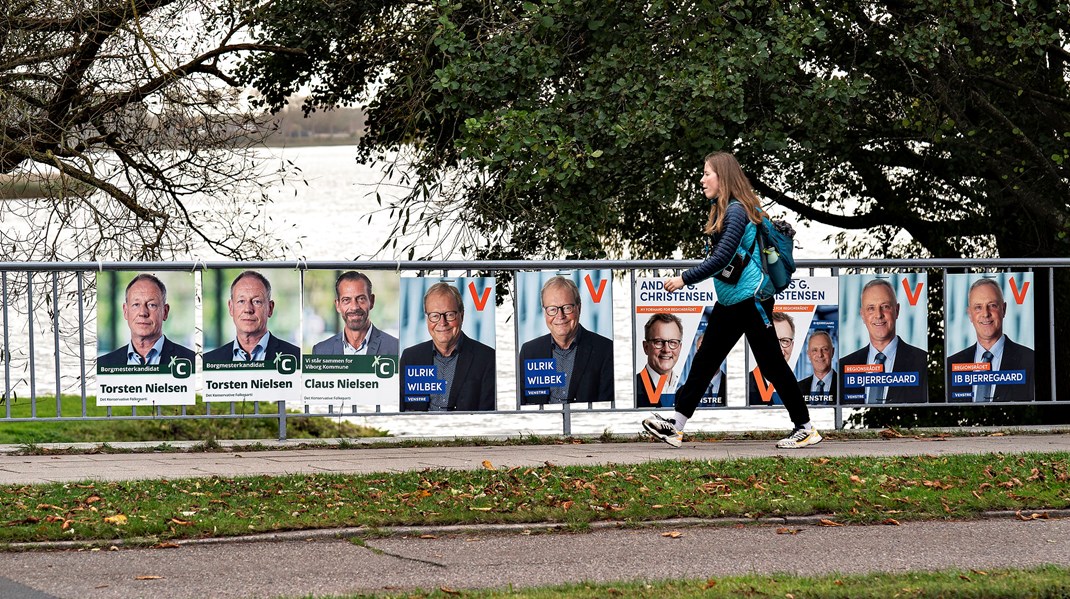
(60, 297)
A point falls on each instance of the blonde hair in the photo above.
(732, 184)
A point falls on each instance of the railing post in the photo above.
(282, 419)
(566, 419)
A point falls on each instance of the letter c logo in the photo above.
(287, 364)
(181, 368)
(385, 367)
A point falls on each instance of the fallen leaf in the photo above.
(890, 433)
(979, 572)
(1032, 516)
(488, 465)
(449, 591)
(165, 546)
(480, 509)
(673, 534)
(428, 537)
(827, 522)
(856, 479)
(118, 519)
(890, 522)
(964, 577)
(788, 531)
(92, 499)
(181, 522)
(150, 577)
(710, 584)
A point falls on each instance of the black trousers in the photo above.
(726, 325)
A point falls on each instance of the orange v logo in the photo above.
(765, 390)
(595, 295)
(912, 296)
(1019, 294)
(651, 392)
(480, 302)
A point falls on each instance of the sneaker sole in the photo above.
(670, 439)
(806, 443)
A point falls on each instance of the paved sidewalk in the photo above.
(386, 458)
(324, 562)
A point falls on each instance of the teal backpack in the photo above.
(777, 241)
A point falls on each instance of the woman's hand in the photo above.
(673, 283)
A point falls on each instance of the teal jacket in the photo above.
(737, 236)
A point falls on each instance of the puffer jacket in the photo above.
(737, 235)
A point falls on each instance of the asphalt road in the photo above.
(522, 558)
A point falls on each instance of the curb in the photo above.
(490, 529)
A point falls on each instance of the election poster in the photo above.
(448, 342)
(252, 319)
(990, 337)
(146, 339)
(565, 330)
(669, 330)
(350, 348)
(884, 329)
(806, 318)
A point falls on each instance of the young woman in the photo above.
(744, 303)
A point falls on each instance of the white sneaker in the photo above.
(664, 429)
(800, 438)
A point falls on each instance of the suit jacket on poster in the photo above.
(170, 350)
(592, 373)
(379, 343)
(907, 359)
(275, 346)
(807, 383)
(473, 381)
(1015, 357)
(642, 400)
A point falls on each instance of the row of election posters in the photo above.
(378, 340)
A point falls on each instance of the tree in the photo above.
(125, 110)
(577, 127)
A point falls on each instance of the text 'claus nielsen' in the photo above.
(341, 384)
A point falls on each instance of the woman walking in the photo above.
(744, 303)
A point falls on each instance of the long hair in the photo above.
(731, 184)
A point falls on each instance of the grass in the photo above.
(842, 490)
(1045, 582)
(160, 429)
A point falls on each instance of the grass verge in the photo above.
(1046, 582)
(244, 426)
(843, 490)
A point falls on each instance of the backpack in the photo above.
(777, 241)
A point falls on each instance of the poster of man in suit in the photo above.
(145, 336)
(448, 332)
(669, 329)
(565, 322)
(350, 344)
(251, 319)
(808, 306)
(886, 318)
(990, 332)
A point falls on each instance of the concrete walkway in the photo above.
(325, 562)
(387, 458)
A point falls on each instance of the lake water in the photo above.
(322, 213)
